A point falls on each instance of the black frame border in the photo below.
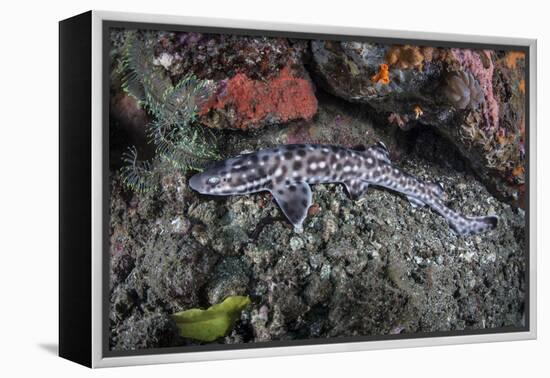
(75, 188)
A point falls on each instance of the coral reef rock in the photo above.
(475, 98)
(257, 81)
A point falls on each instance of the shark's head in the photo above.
(214, 180)
(239, 175)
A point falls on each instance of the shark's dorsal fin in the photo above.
(437, 190)
(380, 151)
(382, 145)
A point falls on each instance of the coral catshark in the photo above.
(288, 171)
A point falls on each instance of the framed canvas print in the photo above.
(235, 189)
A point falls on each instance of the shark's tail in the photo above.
(463, 225)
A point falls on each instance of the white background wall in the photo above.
(28, 191)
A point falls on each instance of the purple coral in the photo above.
(481, 66)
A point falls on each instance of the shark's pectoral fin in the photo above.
(356, 188)
(294, 199)
(415, 202)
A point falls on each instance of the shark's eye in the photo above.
(213, 180)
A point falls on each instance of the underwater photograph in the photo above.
(281, 190)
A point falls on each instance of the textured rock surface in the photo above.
(258, 81)
(374, 266)
(475, 98)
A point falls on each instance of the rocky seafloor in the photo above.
(367, 267)
(374, 266)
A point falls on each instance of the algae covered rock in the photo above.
(257, 81)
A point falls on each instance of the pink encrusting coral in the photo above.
(250, 103)
(480, 64)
